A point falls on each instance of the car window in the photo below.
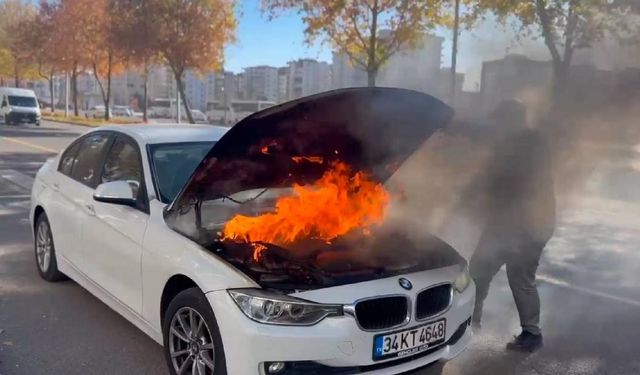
(173, 164)
(22, 101)
(87, 161)
(123, 164)
(68, 159)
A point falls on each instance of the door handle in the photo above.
(55, 186)
(90, 208)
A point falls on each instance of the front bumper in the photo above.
(334, 346)
(25, 117)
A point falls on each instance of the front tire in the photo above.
(45, 250)
(192, 341)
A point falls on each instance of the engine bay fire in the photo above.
(340, 202)
(295, 198)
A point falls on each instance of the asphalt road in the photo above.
(589, 282)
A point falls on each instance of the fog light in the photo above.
(276, 367)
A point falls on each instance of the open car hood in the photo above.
(371, 129)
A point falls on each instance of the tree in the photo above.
(192, 35)
(135, 31)
(38, 43)
(103, 53)
(564, 25)
(369, 32)
(15, 15)
(72, 19)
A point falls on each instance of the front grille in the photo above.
(433, 301)
(18, 116)
(381, 313)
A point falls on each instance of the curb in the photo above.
(69, 122)
(78, 123)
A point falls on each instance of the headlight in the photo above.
(267, 308)
(463, 280)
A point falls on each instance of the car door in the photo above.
(73, 184)
(113, 236)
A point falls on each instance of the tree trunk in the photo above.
(561, 72)
(146, 93)
(371, 77)
(184, 98)
(74, 84)
(107, 101)
(16, 76)
(454, 52)
(51, 90)
(372, 63)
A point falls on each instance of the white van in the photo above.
(19, 106)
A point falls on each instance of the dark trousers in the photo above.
(521, 257)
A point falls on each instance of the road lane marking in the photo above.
(595, 293)
(29, 144)
(17, 178)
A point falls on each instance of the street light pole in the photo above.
(66, 94)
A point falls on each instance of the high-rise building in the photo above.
(128, 89)
(195, 87)
(222, 87)
(308, 77)
(283, 84)
(510, 76)
(161, 83)
(415, 67)
(262, 83)
(344, 74)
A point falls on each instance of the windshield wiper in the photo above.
(223, 197)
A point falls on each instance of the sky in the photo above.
(275, 42)
(264, 42)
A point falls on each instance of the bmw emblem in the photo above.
(405, 283)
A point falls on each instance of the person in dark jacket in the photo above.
(520, 218)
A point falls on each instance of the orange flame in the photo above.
(336, 204)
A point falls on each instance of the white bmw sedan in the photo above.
(263, 249)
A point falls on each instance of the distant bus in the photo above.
(230, 114)
(162, 108)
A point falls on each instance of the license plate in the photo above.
(409, 341)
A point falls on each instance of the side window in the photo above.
(68, 159)
(123, 164)
(87, 161)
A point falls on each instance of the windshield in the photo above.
(173, 164)
(22, 101)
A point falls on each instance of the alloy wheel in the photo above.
(43, 246)
(190, 344)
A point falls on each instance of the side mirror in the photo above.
(116, 192)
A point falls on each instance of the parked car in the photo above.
(198, 116)
(97, 112)
(122, 111)
(19, 106)
(136, 215)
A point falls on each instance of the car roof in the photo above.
(17, 91)
(169, 133)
